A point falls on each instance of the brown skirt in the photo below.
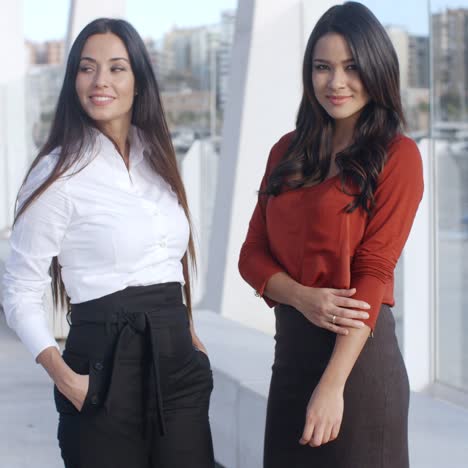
(374, 431)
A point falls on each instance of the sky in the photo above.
(47, 19)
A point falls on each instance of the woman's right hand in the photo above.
(331, 309)
(70, 384)
(76, 390)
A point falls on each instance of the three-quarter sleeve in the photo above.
(36, 238)
(256, 263)
(397, 198)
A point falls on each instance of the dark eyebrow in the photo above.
(114, 59)
(326, 61)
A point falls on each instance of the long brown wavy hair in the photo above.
(71, 126)
(310, 153)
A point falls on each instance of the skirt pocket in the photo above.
(206, 383)
(95, 369)
(203, 357)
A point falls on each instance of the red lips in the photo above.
(337, 100)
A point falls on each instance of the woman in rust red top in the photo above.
(335, 208)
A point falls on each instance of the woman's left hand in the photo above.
(323, 416)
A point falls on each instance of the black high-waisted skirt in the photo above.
(374, 429)
(149, 388)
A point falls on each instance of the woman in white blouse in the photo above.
(103, 215)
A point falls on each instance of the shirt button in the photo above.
(94, 400)
(163, 244)
(98, 366)
(257, 294)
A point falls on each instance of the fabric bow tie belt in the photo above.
(135, 323)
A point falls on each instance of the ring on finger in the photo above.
(334, 319)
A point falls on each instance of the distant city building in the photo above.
(37, 54)
(418, 69)
(450, 63)
(176, 48)
(189, 108)
(413, 57)
(204, 46)
(228, 26)
(55, 52)
(158, 60)
(191, 54)
(45, 53)
(196, 71)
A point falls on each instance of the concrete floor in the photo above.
(27, 414)
(438, 430)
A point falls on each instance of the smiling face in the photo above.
(336, 81)
(105, 83)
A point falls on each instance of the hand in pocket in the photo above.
(77, 391)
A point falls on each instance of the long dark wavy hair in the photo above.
(72, 126)
(309, 155)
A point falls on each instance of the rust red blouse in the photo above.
(306, 233)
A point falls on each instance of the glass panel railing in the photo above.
(449, 20)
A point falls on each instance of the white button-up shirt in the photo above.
(110, 228)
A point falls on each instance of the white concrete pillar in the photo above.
(83, 12)
(265, 91)
(13, 154)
